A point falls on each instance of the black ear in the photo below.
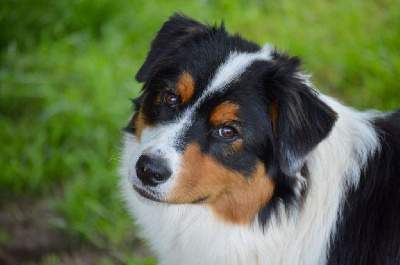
(174, 33)
(301, 119)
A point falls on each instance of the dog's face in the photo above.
(222, 122)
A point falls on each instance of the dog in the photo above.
(232, 157)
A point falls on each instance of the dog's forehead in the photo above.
(225, 74)
(234, 66)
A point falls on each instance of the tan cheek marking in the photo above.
(273, 109)
(224, 113)
(140, 125)
(241, 202)
(185, 87)
(200, 177)
(232, 197)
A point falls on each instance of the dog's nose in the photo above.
(152, 171)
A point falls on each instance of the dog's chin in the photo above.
(148, 194)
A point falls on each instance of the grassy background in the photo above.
(67, 71)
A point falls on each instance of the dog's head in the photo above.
(222, 121)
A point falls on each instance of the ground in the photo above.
(27, 237)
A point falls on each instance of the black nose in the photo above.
(152, 171)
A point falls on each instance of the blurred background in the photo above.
(67, 72)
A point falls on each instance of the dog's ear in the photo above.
(174, 33)
(300, 119)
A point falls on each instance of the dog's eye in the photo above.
(227, 132)
(171, 100)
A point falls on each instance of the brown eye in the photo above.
(227, 132)
(171, 100)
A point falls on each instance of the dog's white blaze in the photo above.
(234, 66)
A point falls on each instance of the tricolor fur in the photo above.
(231, 157)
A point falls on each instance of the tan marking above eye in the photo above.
(185, 87)
(232, 197)
(225, 113)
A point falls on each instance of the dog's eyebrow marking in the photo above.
(185, 87)
(224, 113)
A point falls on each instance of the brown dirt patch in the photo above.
(27, 238)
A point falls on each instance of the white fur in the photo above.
(234, 66)
(190, 234)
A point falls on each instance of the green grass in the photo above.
(67, 71)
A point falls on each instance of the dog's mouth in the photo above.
(201, 200)
(148, 194)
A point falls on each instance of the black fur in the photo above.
(369, 229)
(171, 36)
(303, 119)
